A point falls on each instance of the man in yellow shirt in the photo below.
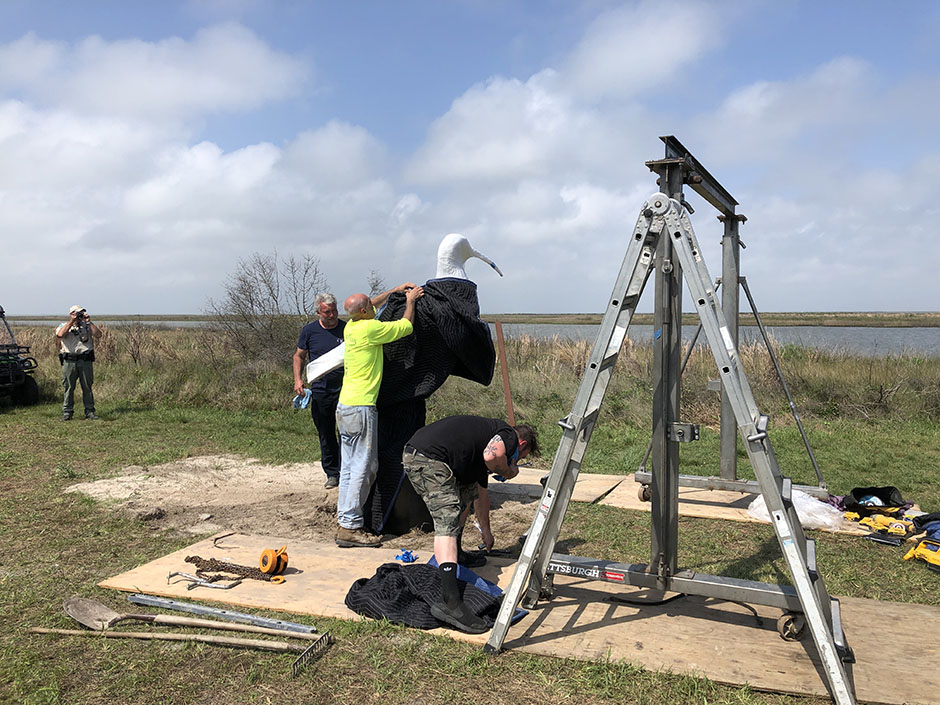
(356, 415)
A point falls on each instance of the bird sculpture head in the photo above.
(453, 253)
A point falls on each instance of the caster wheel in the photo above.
(791, 626)
(644, 493)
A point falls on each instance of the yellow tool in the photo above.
(273, 562)
(888, 525)
(928, 550)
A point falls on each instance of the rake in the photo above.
(308, 654)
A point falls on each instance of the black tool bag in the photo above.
(920, 522)
(890, 496)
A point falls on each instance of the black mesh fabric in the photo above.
(449, 338)
(404, 594)
(388, 508)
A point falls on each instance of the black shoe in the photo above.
(470, 560)
(459, 617)
(331, 482)
(66, 417)
(91, 416)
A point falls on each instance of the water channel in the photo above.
(924, 342)
(862, 340)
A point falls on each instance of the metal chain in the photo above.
(213, 564)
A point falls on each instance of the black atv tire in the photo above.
(27, 393)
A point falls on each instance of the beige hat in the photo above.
(75, 309)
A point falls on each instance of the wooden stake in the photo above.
(510, 415)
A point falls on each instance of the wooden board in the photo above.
(316, 581)
(723, 641)
(697, 502)
(589, 487)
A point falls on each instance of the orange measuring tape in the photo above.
(273, 562)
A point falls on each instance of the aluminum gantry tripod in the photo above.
(663, 229)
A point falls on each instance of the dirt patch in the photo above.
(207, 494)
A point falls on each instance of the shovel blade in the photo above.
(90, 613)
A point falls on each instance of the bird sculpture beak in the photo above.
(480, 255)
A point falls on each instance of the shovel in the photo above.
(99, 617)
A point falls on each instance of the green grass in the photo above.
(172, 404)
(56, 545)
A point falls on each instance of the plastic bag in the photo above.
(813, 513)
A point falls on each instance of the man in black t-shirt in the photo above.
(318, 338)
(446, 462)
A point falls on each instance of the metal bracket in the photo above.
(761, 425)
(682, 432)
(195, 581)
(195, 608)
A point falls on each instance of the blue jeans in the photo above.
(358, 438)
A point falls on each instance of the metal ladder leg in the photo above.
(798, 551)
(578, 426)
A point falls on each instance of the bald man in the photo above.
(356, 415)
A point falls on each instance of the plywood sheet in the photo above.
(724, 641)
(588, 488)
(720, 640)
(316, 581)
(697, 502)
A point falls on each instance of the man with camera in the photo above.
(77, 354)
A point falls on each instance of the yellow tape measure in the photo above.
(273, 562)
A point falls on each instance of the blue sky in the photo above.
(145, 148)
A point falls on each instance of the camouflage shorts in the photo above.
(434, 481)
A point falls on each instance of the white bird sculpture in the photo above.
(452, 254)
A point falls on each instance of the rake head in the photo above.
(311, 653)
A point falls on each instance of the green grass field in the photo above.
(870, 422)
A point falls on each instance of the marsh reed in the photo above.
(194, 367)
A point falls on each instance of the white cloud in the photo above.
(640, 46)
(222, 68)
(335, 156)
(28, 60)
(97, 175)
(496, 131)
(762, 122)
(199, 180)
(42, 150)
(99, 172)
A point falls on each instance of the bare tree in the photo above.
(376, 282)
(136, 336)
(267, 300)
